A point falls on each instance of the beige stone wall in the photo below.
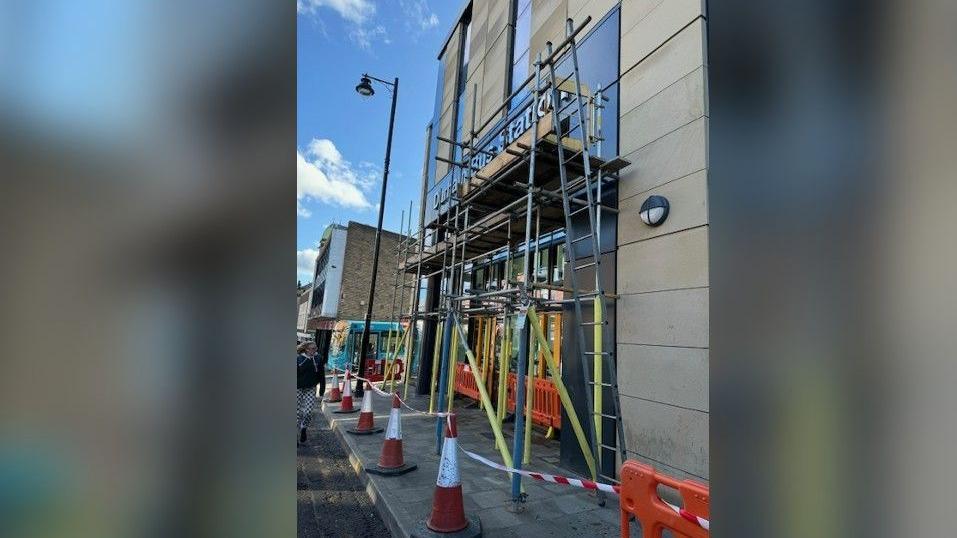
(548, 24)
(578, 10)
(492, 60)
(662, 324)
(447, 116)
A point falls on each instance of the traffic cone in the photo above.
(448, 511)
(391, 462)
(365, 425)
(346, 405)
(334, 394)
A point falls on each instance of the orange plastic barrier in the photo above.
(465, 382)
(547, 407)
(639, 496)
(375, 369)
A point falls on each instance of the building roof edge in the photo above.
(445, 43)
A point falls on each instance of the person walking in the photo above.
(310, 371)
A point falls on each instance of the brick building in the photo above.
(343, 273)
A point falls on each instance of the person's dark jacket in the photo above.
(309, 371)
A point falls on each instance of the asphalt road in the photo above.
(331, 500)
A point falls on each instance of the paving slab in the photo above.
(405, 501)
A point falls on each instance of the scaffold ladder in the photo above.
(601, 360)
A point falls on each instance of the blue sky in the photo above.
(340, 139)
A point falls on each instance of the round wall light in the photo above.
(654, 210)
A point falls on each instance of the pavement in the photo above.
(405, 501)
(332, 501)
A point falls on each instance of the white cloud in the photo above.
(306, 263)
(364, 36)
(356, 11)
(419, 15)
(323, 174)
(325, 149)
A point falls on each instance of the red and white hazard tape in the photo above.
(401, 401)
(702, 522)
(587, 484)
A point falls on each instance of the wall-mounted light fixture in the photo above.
(654, 210)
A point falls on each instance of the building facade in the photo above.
(303, 296)
(647, 62)
(343, 274)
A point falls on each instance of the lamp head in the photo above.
(364, 88)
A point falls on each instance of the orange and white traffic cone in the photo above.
(365, 425)
(448, 510)
(334, 394)
(346, 405)
(391, 461)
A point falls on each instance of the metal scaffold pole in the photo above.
(443, 376)
(520, 389)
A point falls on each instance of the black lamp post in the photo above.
(364, 88)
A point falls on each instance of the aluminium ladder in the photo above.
(602, 360)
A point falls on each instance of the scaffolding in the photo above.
(401, 344)
(545, 178)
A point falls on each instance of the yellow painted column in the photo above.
(599, 373)
(503, 372)
(390, 361)
(488, 364)
(480, 347)
(406, 342)
(563, 396)
(529, 402)
(483, 394)
(409, 351)
(453, 360)
(435, 365)
(387, 371)
(546, 320)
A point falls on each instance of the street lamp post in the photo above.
(364, 88)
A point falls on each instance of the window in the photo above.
(480, 284)
(467, 279)
(521, 38)
(541, 265)
(558, 273)
(494, 275)
(518, 268)
(392, 340)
